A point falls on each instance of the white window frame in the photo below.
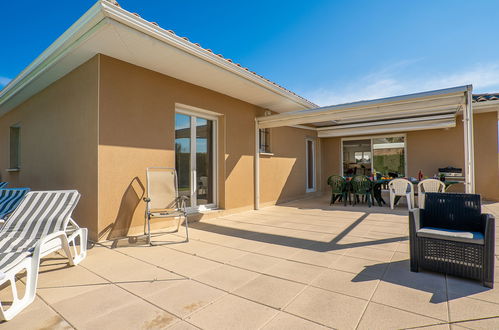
(371, 137)
(194, 113)
(314, 167)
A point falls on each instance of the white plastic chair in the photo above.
(428, 185)
(402, 188)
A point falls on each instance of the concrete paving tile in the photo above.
(464, 309)
(383, 317)
(116, 267)
(230, 313)
(485, 324)
(328, 308)
(461, 287)
(428, 303)
(295, 271)
(360, 286)
(182, 325)
(109, 306)
(285, 321)
(226, 277)
(222, 254)
(255, 262)
(38, 315)
(370, 253)
(315, 258)
(191, 266)
(270, 291)
(181, 297)
(360, 266)
(399, 273)
(55, 272)
(193, 247)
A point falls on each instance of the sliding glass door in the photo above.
(195, 159)
(381, 154)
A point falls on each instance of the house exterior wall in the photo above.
(427, 150)
(136, 130)
(58, 142)
(283, 174)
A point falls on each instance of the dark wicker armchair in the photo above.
(450, 235)
(338, 186)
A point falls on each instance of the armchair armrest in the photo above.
(489, 226)
(414, 220)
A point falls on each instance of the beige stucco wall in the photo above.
(136, 130)
(427, 150)
(58, 140)
(283, 174)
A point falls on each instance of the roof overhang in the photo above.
(110, 30)
(427, 110)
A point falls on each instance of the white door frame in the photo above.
(194, 113)
(314, 170)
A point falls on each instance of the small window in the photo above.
(15, 147)
(265, 140)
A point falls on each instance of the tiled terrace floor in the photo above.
(302, 265)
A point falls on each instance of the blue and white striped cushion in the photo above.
(40, 214)
(10, 199)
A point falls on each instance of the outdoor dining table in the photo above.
(378, 183)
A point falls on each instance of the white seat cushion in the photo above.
(2, 276)
(451, 235)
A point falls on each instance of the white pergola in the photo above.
(420, 111)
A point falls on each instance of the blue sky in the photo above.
(328, 51)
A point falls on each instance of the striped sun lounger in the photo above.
(3, 184)
(39, 226)
(10, 199)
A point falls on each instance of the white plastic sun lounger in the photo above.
(40, 225)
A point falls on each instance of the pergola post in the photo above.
(257, 166)
(469, 148)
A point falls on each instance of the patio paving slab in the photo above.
(360, 286)
(105, 307)
(384, 317)
(464, 309)
(231, 312)
(255, 262)
(270, 291)
(49, 274)
(226, 277)
(38, 316)
(179, 297)
(295, 271)
(328, 308)
(285, 321)
(432, 304)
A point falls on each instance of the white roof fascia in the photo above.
(426, 103)
(390, 126)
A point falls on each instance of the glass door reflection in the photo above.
(195, 158)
